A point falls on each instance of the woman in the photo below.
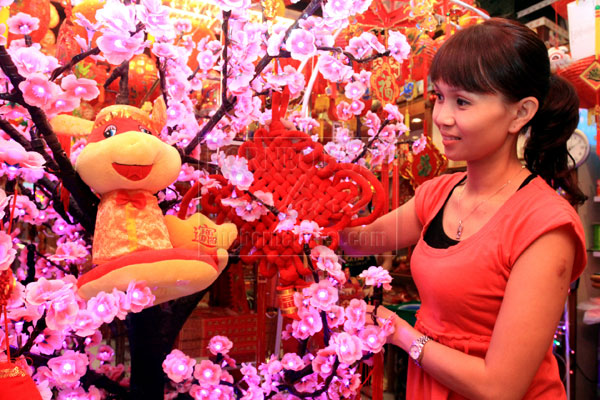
(496, 247)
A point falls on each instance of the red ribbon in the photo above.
(138, 200)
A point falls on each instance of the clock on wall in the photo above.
(578, 146)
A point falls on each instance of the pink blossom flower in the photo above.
(119, 46)
(29, 60)
(372, 121)
(86, 89)
(323, 361)
(48, 342)
(250, 374)
(301, 44)
(113, 373)
(105, 353)
(62, 310)
(373, 338)
(43, 290)
(207, 373)
(373, 42)
(359, 47)
(7, 252)
(154, 15)
(323, 295)
(347, 347)
(86, 323)
(287, 220)
(37, 90)
(274, 43)
(235, 170)
(377, 276)
(355, 90)
(69, 251)
(219, 345)
(61, 103)
(104, 305)
(233, 5)
(335, 316)
(199, 392)
(393, 112)
(344, 111)
(72, 394)
(183, 25)
(117, 17)
(326, 259)
(309, 323)
(307, 230)
(355, 315)
(68, 368)
(23, 24)
(139, 296)
(164, 50)
(357, 107)
(419, 144)
(206, 60)
(333, 70)
(292, 361)
(178, 366)
(337, 9)
(398, 46)
(207, 182)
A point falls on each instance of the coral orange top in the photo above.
(462, 287)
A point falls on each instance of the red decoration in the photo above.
(16, 384)
(384, 81)
(421, 167)
(300, 175)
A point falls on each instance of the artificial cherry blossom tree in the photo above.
(50, 324)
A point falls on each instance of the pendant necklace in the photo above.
(459, 230)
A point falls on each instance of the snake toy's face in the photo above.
(124, 152)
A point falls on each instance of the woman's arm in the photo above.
(395, 230)
(533, 303)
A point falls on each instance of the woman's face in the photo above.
(473, 126)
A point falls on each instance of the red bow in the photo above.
(137, 199)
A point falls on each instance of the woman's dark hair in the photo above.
(505, 57)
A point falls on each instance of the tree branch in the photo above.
(74, 61)
(85, 198)
(351, 57)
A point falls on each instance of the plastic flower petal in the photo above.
(219, 345)
(86, 89)
(178, 366)
(301, 44)
(38, 90)
(7, 252)
(22, 24)
(377, 276)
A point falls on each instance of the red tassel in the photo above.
(377, 377)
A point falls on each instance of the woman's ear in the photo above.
(525, 109)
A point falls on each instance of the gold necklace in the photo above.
(459, 230)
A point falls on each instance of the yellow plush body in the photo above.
(126, 163)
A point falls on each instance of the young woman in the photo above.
(496, 247)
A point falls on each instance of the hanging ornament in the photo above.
(421, 167)
(384, 80)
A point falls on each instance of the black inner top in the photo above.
(435, 236)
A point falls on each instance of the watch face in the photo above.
(413, 352)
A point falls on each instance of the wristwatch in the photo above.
(415, 351)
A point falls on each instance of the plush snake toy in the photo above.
(126, 162)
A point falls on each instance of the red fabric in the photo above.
(15, 384)
(461, 295)
(143, 257)
(299, 174)
(137, 199)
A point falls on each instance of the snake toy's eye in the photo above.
(110, 131)
(142, 129)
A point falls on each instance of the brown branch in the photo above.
(85, 198)
(74, 61)
(225, 31)
(370, 143)
(39, 328)
(351, 57)
(229, 102)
